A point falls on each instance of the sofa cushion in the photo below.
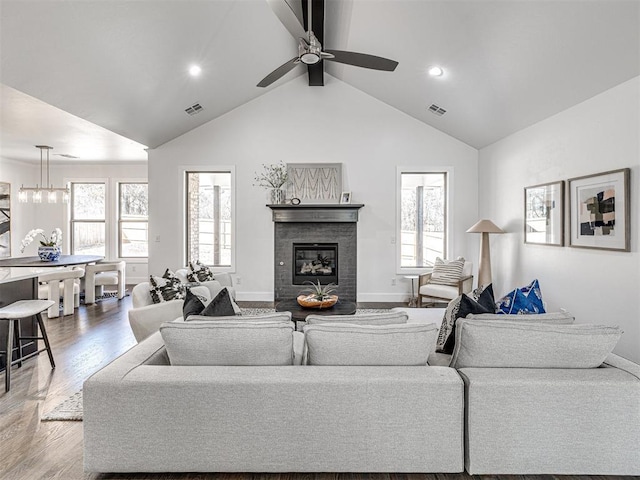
(498, 344)
(560, 317)
(266, 317)
(527, 299)
(229, 342)
(199, 272)
(348, 344)
(447, 272)
(166, 289)
(383, 318)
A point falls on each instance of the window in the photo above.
(88, 218)
(209, 218)
(133, 220)
(423, 218)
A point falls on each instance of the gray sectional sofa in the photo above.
(143, 415)
(155, 410)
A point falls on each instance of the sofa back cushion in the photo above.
(230, 342)
(559, 318)
(383, 318)
(500, 344)
(348, 344)
(266, 317)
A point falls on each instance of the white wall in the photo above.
(600, 134)
(298, 123)
(22, 219)
(26, 216)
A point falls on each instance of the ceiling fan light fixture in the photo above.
(309, 58)
(436, 71)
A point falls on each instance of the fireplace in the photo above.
(304, 232)
(315, 262)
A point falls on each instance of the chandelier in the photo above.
(42, 189)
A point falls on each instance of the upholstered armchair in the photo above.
(430, 293)
(101, 274)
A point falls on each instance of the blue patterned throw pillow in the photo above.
(523, 300)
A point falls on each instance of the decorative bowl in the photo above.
(308, 301)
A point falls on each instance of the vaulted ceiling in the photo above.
(102, 79)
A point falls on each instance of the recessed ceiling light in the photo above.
(194, 70)
(435, 71)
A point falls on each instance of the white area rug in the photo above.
(70, 409)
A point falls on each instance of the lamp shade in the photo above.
(485, 226)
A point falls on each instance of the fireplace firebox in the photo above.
(315, 262)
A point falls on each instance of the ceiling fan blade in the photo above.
(362, 60)
(290, 15)
(281, 71)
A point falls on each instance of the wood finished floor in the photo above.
(83, 343)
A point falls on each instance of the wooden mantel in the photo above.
(318, 212)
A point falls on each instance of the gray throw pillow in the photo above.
(228, 342)
(382, 318)
(220, 306)
(348, 344)
(500, 344)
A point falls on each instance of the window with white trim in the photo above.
(133, 219)
(422, 218)
(209, 218)
(88, 218)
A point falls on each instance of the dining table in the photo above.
(62, 261)
(19, 281)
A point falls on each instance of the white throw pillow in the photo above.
(447, 272)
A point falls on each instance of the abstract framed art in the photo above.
(599, 211)
(544, 214)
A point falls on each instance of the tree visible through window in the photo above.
(88, 214)
(133, 220)
(422, 218)
(209, 218)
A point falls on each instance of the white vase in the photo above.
(277, 196)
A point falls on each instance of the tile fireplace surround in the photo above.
(321, 223)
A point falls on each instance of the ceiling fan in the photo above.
(310, 51)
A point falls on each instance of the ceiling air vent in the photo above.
(193, 109)
(436, 110)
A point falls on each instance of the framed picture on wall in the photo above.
(5, 219)
(544, 214)
(599, 211)
(315, 182)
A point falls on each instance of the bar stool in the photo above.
(13, 313)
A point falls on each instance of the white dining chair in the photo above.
(63, 283)
(101, 274)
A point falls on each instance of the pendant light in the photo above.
(42, 190)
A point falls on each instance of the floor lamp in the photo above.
(485, 227)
